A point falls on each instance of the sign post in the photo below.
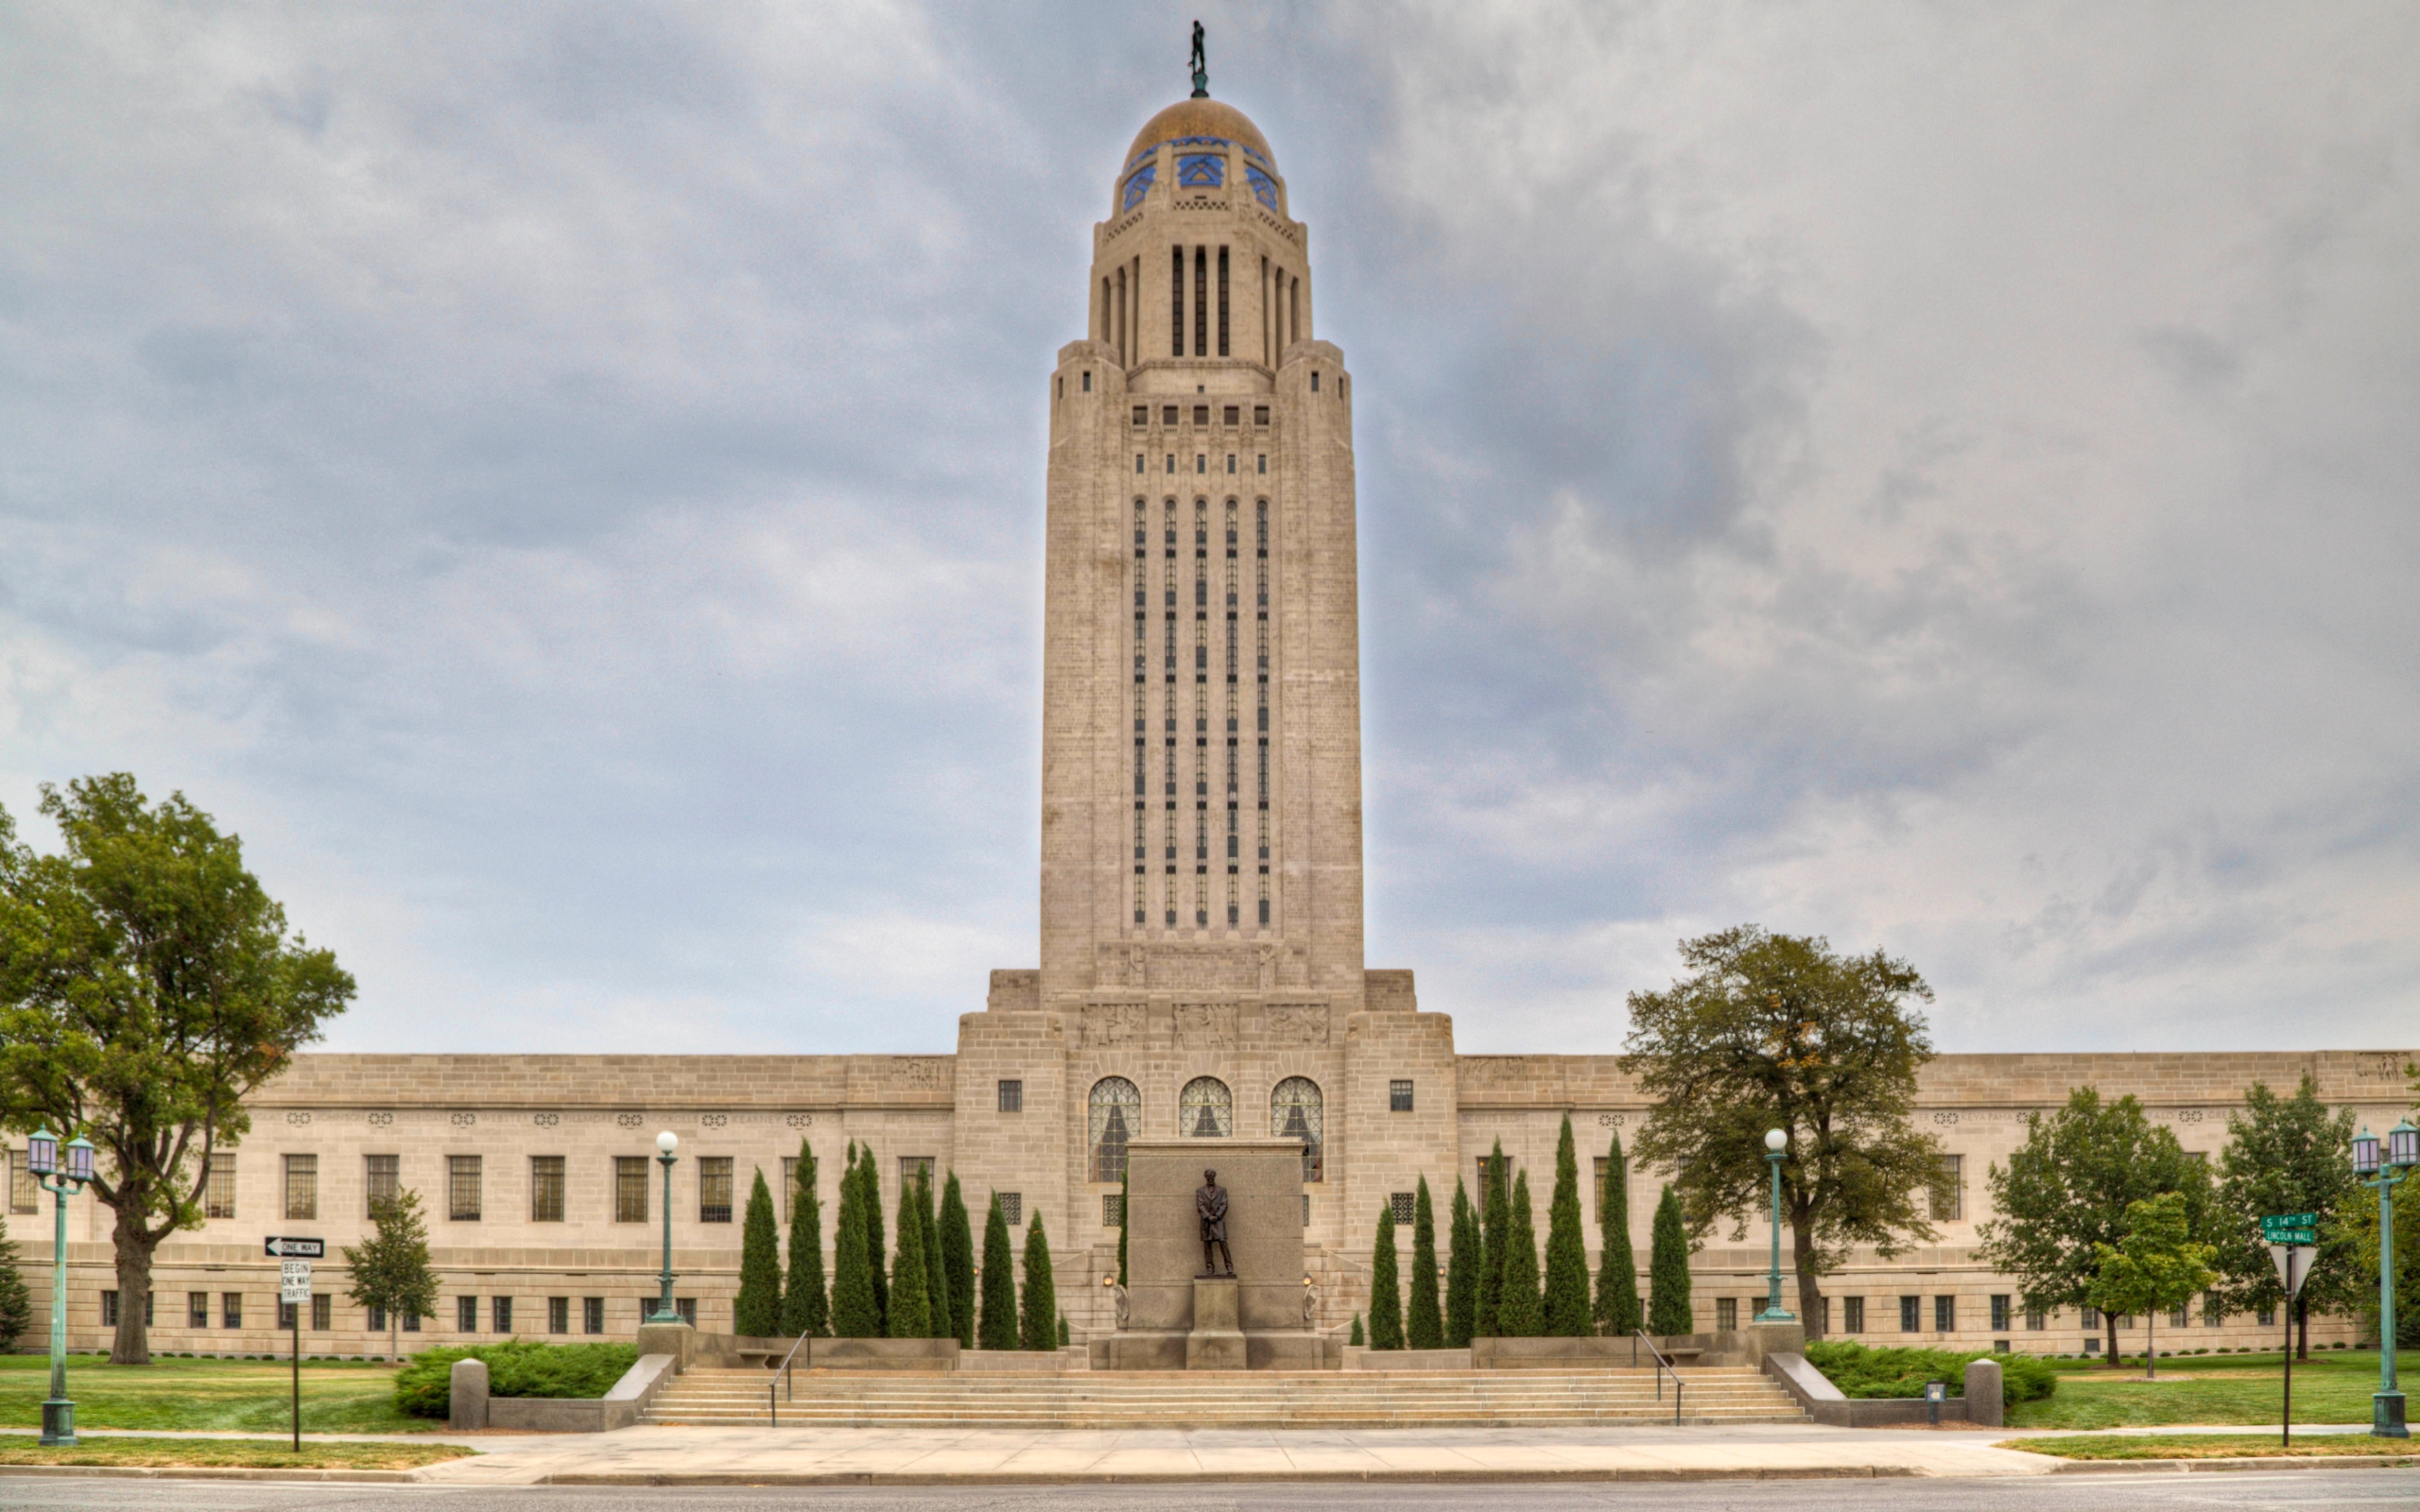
(294, 1257)
(2290, 1237)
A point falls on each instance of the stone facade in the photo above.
(1202, 733)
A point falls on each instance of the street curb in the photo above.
(2271, 1462)
(1470, 1477)
(208, 1473)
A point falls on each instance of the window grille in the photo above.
(303, 1186)
(377, 1320)
(2000, 1313)
(109, 1310)
(24, 1193)
(1295, 1113)
(2176, 1317)
(1013, 1097)
(287, 1312)
(630, 1188)
(1232, 414)
(545, 1188)
(2212, 1314)
(1113, 1209)
(197, 1309)
(1851, 1314)
(1260, 414)
(411, 1321)
(1948, 1189)
(1399, 1100)
(322, 1311)
(687, 1308)
(1726, 1314)
(1013, 1208)
(382, 1180)
(592, 1315)
(219, 1186)
(559, 1314)
(714, 1189)
(231, 1310)
(1911, 1315)
(914, 1170)
(2267, 1317)
(1944, 1314)
(466, 1314)
(1205, 1109)
(1142, 414)
(500, 1313)
(463, 1188)
(1201, 413)
(2035, 1320)
(1400, 1204)
(1167, 414)
(1115, 1107)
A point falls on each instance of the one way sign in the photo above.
(296, 1249)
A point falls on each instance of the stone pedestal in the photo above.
(467, 1396)
(1217, 1341)
(1774, 1338)
(1985, 1393)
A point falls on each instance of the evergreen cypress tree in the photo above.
(1354, 1337)
(1668, 1271)
(1521, 1313)
(1423, 1325)
(997, 1327)
(1617, 1311)
(1066, 1335)
(854, 1313)
(939, 1323)
(805, 1306)
(958, 1262)
(16, 1302)
(1567, 1289)
(1495, 1216)
(911, 1289)
(1386, 1299)
(756, 1312)
(1461, 1271)
(869, 1190)
(1040, 1320)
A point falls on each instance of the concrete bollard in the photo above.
(468, 1387)
(1983, 1393)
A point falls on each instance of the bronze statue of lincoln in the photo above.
(1211, 1203)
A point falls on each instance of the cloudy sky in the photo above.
(564, 483)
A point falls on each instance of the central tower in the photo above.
(1201, 706)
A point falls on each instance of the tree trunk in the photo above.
(394, 1326)
(2109, 1330)
(1810, 1284)
(132, 1343)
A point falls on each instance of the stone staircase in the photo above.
(1132, 1399)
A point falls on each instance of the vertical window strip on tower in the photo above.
(1222, 301)
(1233, 916)
(1142, 695)
(1200, 713)
(1167, 716)
(1260, 658)
(1201, 301)
(1176, 306)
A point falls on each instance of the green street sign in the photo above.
(2290, 1236)
(2289, 1220)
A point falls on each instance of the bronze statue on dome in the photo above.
(1200, 66)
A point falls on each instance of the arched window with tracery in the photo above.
(1116, 1111)
(1205, 1109)
(1294, 1113)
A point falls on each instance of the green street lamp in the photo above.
(42, 1159)
(1777, 1143)
(664, 1312)
(2402, 1154)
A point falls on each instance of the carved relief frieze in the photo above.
(1113, 1025)
(1296, 1023)
(1205, 1025)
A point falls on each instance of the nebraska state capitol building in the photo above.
(1201, 971)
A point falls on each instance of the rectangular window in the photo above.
(1999, 1346)
(1013, 1097)
(1911, 1315)
(714, 1189)
(219, 1186)
(1232, 414)
(412, 1322)
(1113, 1209)
(630, 1188)
(382, 1180)
(24, 1193)
(545, 1188)
(1167, 414)
(466, 1314)
(303, 1186)
(559, 1314)
(500, 1309)
(1142, 417)
(377, 1320)
(1222, 303)
(1948, 1189)
(1851, 1314)
(1399, 1096)
(915, 1168)
(197, 1309)
(2035, 1320)
(687, 1308)
(286, 1316)
(463, 1188)
(1944, 1314)
(1260, 414)
(1264, 464)
(2000, 1313)
(2091, 1317)
(2212, 1314)
(1726, 1314)
(109, 1310)
(231, 1310)
(1402, 1204)
(1201, 413)
(2267, 1317)
(1306, 1210)
(1012, 1207)
(1824, 1315)
(789, 1185)
(322, 1311)
(592, 1315)
(2092, 1346)
(1605, 1194)
(2176, 1317)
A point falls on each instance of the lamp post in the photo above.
(42, 1159)
(2402, 1154)
(666, 1143)
(1776, 1142)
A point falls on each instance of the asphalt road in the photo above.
(2318, 1490)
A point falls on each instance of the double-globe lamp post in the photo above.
(1776, 1148)
(2402, 1154)
(666, 1143)
(42, 1159)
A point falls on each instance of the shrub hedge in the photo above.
(1860, 1371)
(517, 1368)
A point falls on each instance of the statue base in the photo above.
(1217, 1340)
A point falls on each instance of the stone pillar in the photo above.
(1984, 1392)
(1217, 1341)
(468, 1387)
(1774, 1338)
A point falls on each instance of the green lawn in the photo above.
(2212, 1446)
(2330, 1387)
(247, 1453)
(228, 1395)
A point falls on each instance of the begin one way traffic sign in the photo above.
(294, 1281)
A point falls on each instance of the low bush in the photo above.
(1860, 1371)
(516, 1368)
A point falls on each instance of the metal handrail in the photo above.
(1663, 1368)
(772, 1408)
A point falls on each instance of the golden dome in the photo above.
(1202, 117)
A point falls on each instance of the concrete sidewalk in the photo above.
(806, 1456)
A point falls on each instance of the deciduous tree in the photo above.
(2289, 1154)
(2157, 1267)
(390, 1269)
(148, 987)
(1776, 1031)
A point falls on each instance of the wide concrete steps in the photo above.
(1139, 1399)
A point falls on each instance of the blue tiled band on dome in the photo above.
(1262, 186)
(1200, 170)
(1139, 186)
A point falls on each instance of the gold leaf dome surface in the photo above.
(1203, 117)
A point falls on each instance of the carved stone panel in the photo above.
(1107, 1024)
(1297, 1023)
(1205, 1025)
